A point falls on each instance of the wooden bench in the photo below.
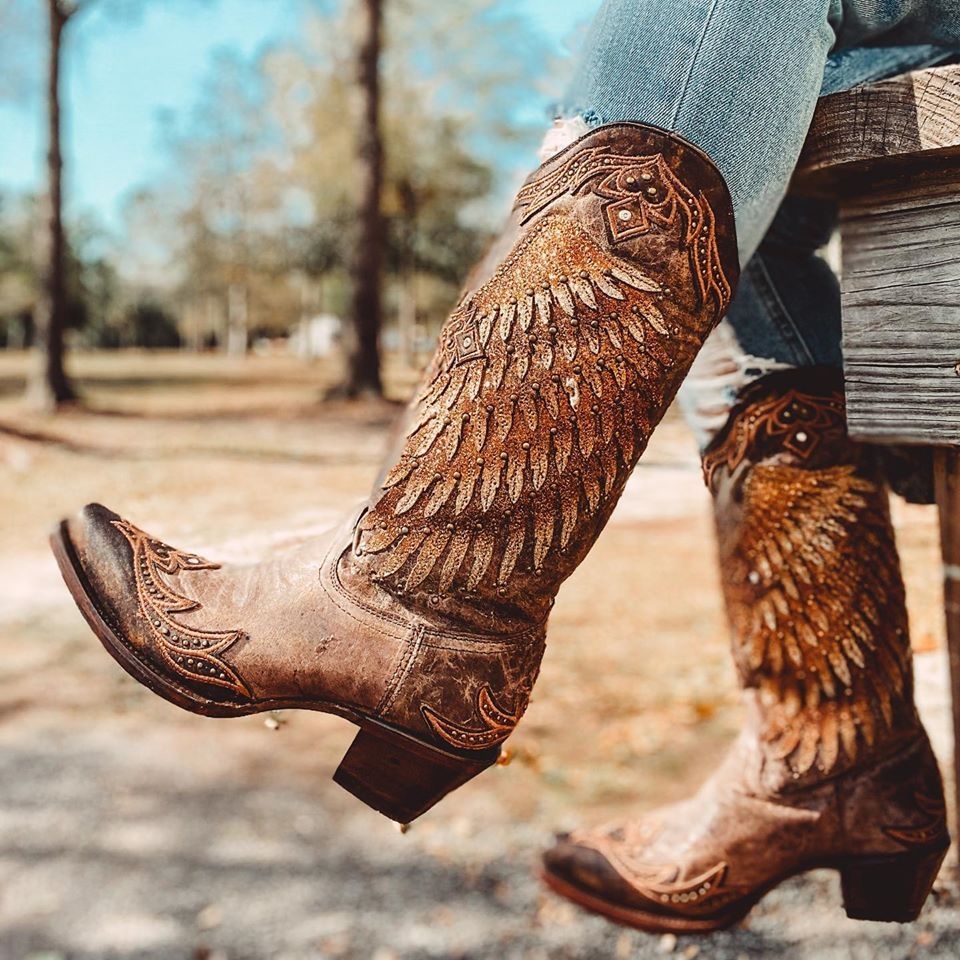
(889, 153)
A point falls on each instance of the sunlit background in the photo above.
(207, 159)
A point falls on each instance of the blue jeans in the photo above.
(741, 80)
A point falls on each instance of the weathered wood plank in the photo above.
(913, 119)
(901, 312)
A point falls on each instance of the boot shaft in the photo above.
(811, 577)
(551, 373)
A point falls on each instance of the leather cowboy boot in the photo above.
(422, 620)
(833, 768)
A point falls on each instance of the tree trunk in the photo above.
(237, 339)
(363, 375)
(48, 386)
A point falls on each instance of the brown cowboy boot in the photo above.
(422, 620)
(833, 768)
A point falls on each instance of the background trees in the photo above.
(245, 231)
(363, 376)
(48, 385)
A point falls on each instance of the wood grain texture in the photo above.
(914, 118)
(947, 482)
(901, 313)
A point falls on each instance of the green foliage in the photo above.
(96, 311)
(261, 191)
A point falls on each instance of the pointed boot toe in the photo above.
(298, 631)
(127, 586)
(577, 866)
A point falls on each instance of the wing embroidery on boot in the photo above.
(497, 724)
(816, 600)
(636, 192)
(192, 653)
(538, 403)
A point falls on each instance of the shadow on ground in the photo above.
(132, 831)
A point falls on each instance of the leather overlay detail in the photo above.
(638, 191)
(659, 884)
(931, 806)
(709, 858)
(812, 581)
(191, 653)
(549, 378)
(496, 724)
(796, 420)
(627, 849)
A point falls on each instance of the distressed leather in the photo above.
(429, 611)
(833, 762)
(231, 639)
(714, 855)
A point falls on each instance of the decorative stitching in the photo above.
(400, 673)
(794, 420)
(638, 191)
(194, 654)
(929, 801)
(328, 572)
(496, 723)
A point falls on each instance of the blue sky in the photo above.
(121, 74)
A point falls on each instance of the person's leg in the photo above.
(833, 764)
(738, 79)
(832, 767)
(423, 618)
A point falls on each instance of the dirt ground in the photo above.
(129, 829)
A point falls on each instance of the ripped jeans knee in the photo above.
(722, 369)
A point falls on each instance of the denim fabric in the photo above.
(787, 305)
(741, 80)
(851, 67)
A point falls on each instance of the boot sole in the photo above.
(641, 919)
(889, 888)
(388, 769)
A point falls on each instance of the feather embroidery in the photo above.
(800, 601)
(547, 380)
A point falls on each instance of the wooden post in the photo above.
(947, 477)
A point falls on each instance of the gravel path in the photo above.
(107, 855)
(132, 831)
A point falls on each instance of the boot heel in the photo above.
(401, 777)
(892, 888)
